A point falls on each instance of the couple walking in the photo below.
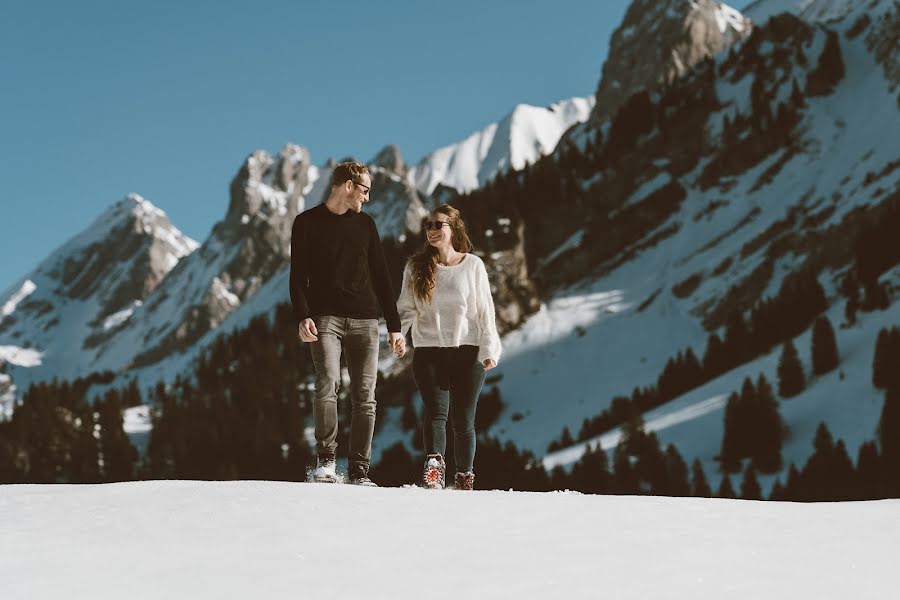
(340, 286)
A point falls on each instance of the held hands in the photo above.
(397, 343)
(489, 363)
(307, 331)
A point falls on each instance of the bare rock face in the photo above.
(660, 40)
(389, 159)
(244, 251)
(395, 204)
(136, 250)
(498, 235)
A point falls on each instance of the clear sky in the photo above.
(167, 98)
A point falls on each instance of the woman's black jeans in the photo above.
(450, 380)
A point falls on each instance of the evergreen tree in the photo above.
(590, 475)
(828, 474)
(699, 485)
(777, 494)
(725, 489)
(889, 436)
(843, 475)
(713, 359)
(736, 346)
(886, 363)
(677, 483)
(829, 70)
(119, 455)
(730, 454)
(824, 347)
(565, 439)
(869, 476)
(793, 487)
(791, 380)
(750, 489)
(768, 429)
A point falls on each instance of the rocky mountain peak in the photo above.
(659, 41)
(390, 159)
(268, 186)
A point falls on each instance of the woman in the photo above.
(446, 301)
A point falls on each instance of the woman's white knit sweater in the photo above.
(461, 311)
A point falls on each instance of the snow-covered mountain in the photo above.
(813, 11)
(760, 10)
(694, 198)
(57, 315)
(700, 212)
(659, 41)
(521, 137)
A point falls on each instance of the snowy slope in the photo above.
(277, 540)
(761, 10)
(521, 137)
(591, 342)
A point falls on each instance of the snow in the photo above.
(814, 11)
(23, 357)
(257, 539)
(27, 288)
(727, 17)
(220, 290)
(522, 137)
(609, 441)
(136, 419)
(761, 10)
(7, 397)
(116, 319)
(572, 242)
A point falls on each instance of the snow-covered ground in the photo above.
(264, 540)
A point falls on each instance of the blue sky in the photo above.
(166, 98)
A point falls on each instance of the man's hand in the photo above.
(397, 343)
(489, 363)
(307, 331)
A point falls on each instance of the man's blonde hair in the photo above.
(348, 171)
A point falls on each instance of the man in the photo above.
(339, 287)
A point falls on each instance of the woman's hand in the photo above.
(489, 363)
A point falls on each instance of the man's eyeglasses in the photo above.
(429, 225)
(358, 184)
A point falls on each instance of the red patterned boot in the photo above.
(433, 473)
(464, 481)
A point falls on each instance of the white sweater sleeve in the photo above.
(489, 346)
(406, 304)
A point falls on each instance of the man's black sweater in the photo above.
(338, 268)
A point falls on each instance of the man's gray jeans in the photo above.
(359, 340)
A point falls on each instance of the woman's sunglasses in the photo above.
(429, 225)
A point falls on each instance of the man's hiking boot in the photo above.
(325, 471)
(433, 472)
(464, 481)
(358, 474)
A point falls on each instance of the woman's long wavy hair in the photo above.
(423, 264)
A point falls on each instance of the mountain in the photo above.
(813, 11)
(760, 10)
(89, 287)
(659, 41)
(523, 136)
(758, 169)
(752, 188)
